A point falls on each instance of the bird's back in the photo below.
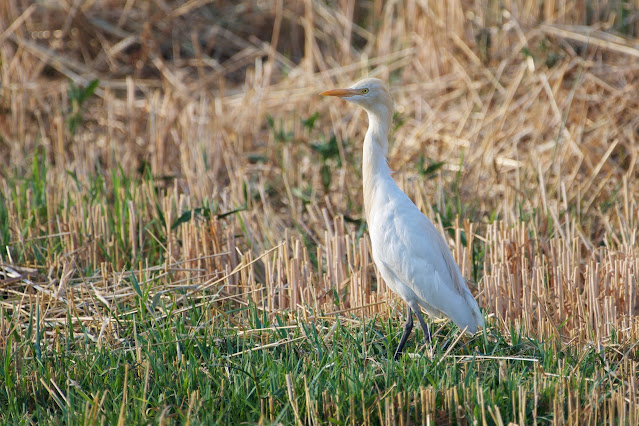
(415, 261)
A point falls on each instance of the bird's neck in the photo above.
(374, 164)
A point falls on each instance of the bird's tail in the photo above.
(473, 307)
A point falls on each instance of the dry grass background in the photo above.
(534, 114)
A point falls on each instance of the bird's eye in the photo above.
(364, 91)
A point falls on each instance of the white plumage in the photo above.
(409, 252)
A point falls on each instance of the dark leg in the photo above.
(424, 326)
(408, 327)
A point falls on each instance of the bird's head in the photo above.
(370, 93)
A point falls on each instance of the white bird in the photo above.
(409, 252)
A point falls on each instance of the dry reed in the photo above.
(536, 125)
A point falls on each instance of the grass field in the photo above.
(181, 227)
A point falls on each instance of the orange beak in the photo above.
(341, 93)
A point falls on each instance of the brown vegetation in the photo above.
(534, 114)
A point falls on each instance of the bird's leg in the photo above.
(408, 327)
(424, 326)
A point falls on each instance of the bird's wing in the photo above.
(418, 256)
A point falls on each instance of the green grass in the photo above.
(182, 241)
(151, 357)
(198, 366)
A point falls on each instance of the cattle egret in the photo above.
(409, 252)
